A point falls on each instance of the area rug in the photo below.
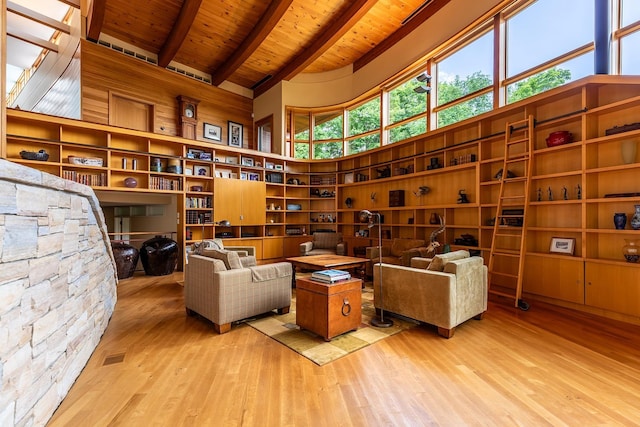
(283, 329)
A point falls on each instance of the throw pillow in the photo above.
(230, 258)
(440, 260)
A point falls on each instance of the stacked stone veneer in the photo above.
(57, 289)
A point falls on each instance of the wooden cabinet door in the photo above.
(555, 277)
(227, 203)
(613, 287)
(253, 197)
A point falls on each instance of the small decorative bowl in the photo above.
(196, 188)
(41, 155)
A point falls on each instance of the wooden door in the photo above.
(131, 114)
(254, 194)
(227, 200)
(555, 277)
(613, 287)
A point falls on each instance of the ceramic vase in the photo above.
(130, 182)
(619, 220)
(635, 219)
(631, 250)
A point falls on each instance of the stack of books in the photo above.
(330, 276)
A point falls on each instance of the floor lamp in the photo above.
(369, 216)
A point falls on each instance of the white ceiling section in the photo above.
(20, 54)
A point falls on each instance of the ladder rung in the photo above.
(497, 273)
(504, 294)
(516, 179)
(506, 253)
(518, 141)
(518, 236)
(517, 159)
(521, 196)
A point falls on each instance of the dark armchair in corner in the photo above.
(324, 243)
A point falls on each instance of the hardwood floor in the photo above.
(546, 366)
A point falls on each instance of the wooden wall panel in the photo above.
(105, 71)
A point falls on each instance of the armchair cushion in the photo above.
(324, 243)
(439, 261)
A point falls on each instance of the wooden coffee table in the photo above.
(326, 262)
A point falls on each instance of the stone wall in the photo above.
(57, 289)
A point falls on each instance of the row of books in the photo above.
(330, 276)
(92, 179)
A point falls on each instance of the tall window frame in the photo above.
(623, 33)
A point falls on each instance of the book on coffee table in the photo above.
(330, 276)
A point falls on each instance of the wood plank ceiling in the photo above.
(254, 43)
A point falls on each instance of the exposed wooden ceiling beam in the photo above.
(178, 32)
(320, 45)
(95, 19)
(267, 23)
(45, 44)
(402, 32)
(38, 17)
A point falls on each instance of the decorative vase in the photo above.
(635, 219)
(619, 220)
(631, 250)
(130, 182)
(628, 150)
(126, 257)
(433, 219)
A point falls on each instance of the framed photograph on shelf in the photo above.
(235, 134)
(202, 170)
(231, 160)
(268, 165)
(192, 153)
(562, 245)
(279, 167)
(348, 178)
(212, 132)
(244, 175)
(254, 177)
(247, 161)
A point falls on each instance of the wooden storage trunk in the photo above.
(329, 309)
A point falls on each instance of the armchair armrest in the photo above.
(341, 248)
(243, 250)
(374, 253)
(409, 254)
(305, 247)
(419, 262)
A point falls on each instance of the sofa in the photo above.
(444, 291)
(219, 288)
(399, 253)
(324, 243)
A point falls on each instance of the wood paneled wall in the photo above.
(105, 71)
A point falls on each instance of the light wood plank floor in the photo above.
(547, 366)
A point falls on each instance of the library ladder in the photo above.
(508, 245)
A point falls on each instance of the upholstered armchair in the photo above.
(444, 291)
(399, 253)
(220, 289)
(324, 243)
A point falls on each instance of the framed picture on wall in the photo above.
(235, 134)
(212, 132)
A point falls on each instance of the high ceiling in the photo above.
(254, 43)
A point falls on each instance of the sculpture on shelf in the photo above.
(463, 197)
(564, 193)
(578, 192)
(549, 194)
(539, 194)
(422, 190)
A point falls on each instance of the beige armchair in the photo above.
(220, 289)
(399, 253)
(445, 292)
(324, 243)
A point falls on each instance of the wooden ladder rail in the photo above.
(509, 242)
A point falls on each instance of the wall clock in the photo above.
(188, 116)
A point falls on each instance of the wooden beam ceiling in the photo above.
(402, 32)
(267, 23)
(38, 17)
(179, 32)
(45, 44)
(95, 19)
(321, 44)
